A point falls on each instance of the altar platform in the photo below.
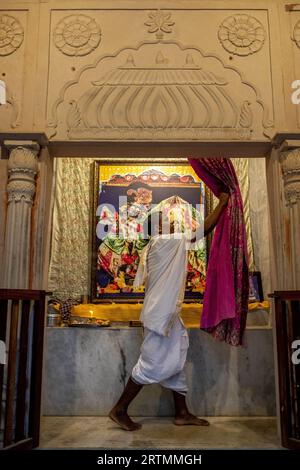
(85, 371)
(258, 313)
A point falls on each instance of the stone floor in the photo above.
(100, 432)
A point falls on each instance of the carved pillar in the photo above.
(21, 187)
(283, 182)
(290, 164)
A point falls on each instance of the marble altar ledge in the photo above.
(85, 371)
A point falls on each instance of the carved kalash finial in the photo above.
(130, 60)
(189, 60)
(161, 59)
(159, 23)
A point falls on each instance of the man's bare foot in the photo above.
(121, 417)
(191, 420)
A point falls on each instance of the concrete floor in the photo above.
(159, 433)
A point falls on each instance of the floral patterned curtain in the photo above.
(69, 271)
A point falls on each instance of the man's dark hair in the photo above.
(148, 227)
(148, 224)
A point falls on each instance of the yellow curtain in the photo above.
(70, 265)
(241, 166)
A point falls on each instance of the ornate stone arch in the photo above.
(159, 90)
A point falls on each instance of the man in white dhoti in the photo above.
(163, 352)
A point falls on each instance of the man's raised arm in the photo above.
(211, 221)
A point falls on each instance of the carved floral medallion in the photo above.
(241, 34)
(77, 35)
(11, 34)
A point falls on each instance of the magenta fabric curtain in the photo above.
(225, 304)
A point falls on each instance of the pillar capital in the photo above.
(22, 169)
(32, 145)
(290, 165)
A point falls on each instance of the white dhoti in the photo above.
(163, 352)
(162, 359)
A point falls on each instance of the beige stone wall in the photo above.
(195, 71)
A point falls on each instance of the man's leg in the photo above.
(182, 414)
(177, 382)
(143, 373)
(119, 412)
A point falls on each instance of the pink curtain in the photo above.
(225, 304)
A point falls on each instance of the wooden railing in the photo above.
(287, 311)
(22, 315)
